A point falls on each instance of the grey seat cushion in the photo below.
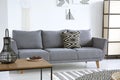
(89, 53)
(52, 39)
(62, 54)
(24, 53)
(85, 37)
(28, 39)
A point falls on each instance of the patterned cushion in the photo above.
(71, 39)
(85, 37)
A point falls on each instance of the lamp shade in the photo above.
(7, 55)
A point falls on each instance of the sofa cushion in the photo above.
(24, 53)
(62, 54)
(52, 39)
(85, 37)
(89, 53)
(28, 39)
(71, 39)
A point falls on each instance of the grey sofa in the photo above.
(49, 45)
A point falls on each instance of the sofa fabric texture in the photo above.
(28, 39)
(52, 39)
(57, 54)
(49, 45)
(25, 53)
(89, 53)
(86, 38)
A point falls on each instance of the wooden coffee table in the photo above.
(23, 64)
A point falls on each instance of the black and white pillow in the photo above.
(71, 39)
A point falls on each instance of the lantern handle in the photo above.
(6, 32)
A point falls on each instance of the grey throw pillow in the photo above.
(28, 39)
(71, 39)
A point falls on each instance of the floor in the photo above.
(35, 74)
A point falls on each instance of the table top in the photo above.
(102, 75)
(23, 64)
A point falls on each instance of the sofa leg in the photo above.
(97, 64)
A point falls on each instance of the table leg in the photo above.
(51, 73)
(41, 74)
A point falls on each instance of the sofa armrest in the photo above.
(14, 46)
(100, 43)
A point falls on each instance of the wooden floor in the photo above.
(58, 67)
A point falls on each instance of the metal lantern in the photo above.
(7, 55)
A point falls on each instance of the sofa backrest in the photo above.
(28, 39)
(52, 39)
(85, 37)
(47, 39)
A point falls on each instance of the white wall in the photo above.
(44, 14)
(3, 20)
(96, 14)
(14, 15)
(47, 16)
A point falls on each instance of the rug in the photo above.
(101, 75)
(72, 75)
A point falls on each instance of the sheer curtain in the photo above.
(25, 14)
